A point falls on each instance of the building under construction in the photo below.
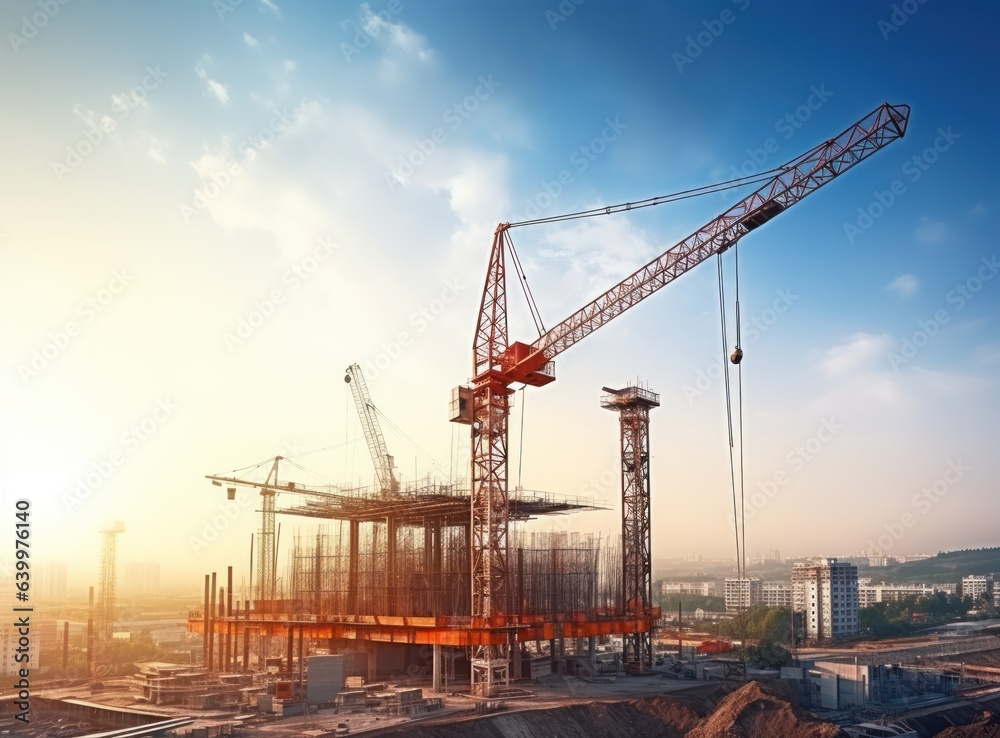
(389, 576)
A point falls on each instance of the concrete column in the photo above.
(289, 642)
(436, 668)
(515, 657)
(205, 634)
(211, 627)
(229, 626)
(591, 648)
(391, 586)
(372, 661)
(221, 637)
(352, 570)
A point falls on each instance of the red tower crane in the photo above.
(499, 363)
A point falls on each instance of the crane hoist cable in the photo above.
(736, 358)
(729, 421)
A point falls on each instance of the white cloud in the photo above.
(395, 35)
(905, 285)
(215, 88)
(156, 150)
(268, 5)
(250, 40)
(863, 352)
(931, 231)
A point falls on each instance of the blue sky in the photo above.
(211, 209)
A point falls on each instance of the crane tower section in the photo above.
(633, 404)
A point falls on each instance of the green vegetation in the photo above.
(690, 603)
(764, 624)
(902, 617)
(768, 655)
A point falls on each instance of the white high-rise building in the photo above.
(826, 593)
(776, 594)
(742, 592)
(977, 587)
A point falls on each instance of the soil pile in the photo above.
(763, 710)
(987, 725)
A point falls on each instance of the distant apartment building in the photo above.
(48, 581)
(880, 561)
(950, 588)
(702, 589)
(742, 592)
(870, 594)
(826, 592)
(913, 557)
(141, 579)
(774, 555)
(977, 587)
(776, 594)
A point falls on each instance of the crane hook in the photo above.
(737, 356)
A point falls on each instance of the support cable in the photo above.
(536, 316)
(658, 200)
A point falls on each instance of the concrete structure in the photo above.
(836, 685)
(776, 594)
(870, 594)
(826, 593)
(324, 678)
(702, 589)
(742, 592)
(977, 587)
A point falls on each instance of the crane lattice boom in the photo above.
(373, 430)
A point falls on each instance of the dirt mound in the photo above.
(987, 725)
(658, 717)
(763, 710)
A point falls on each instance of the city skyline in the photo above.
(212, 221)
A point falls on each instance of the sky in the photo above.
(210, 209)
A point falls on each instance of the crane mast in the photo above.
(383, 462)
(498, 363)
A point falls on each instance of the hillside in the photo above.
(945, 567)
